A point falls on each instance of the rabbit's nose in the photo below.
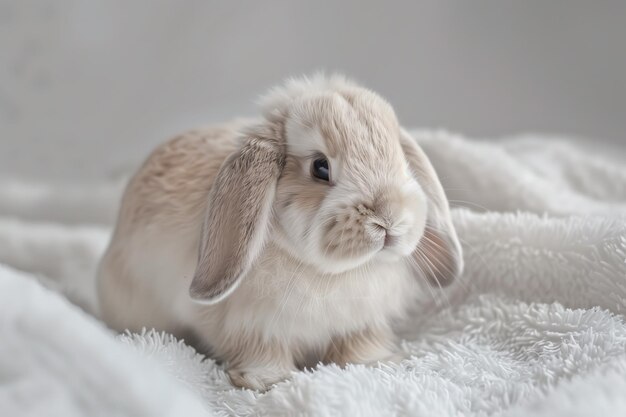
(382, 228)
(390, 240)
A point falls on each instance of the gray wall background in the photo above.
(87, 88)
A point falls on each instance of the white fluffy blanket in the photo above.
(534, 327)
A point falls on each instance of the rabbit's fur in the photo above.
(224, 232)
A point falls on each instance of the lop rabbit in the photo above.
(281, 242)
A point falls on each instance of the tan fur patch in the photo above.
(365, 346)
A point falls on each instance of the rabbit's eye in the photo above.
(320, 169)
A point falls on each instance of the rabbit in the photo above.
(286, 241)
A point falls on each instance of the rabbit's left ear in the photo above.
(237, 218)
(438, 255)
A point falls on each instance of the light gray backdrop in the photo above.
(87, 88)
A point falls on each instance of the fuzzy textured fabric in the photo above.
(535, 327)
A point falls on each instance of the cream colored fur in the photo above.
(285, 270)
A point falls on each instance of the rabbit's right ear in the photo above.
(438, 257)
(237, 218)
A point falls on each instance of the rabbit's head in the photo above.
(331, 178)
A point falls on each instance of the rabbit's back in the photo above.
(173, 183)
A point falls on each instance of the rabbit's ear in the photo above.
(237, 218)
(438, 255)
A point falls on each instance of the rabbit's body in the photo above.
(145, 273)
(144, 277)
(292, 274)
